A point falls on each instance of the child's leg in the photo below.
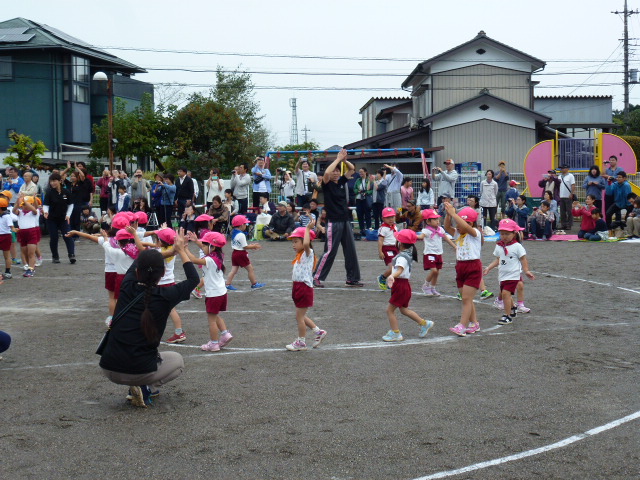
(232, 274)
(468, 308)
(24, 255)
(213, 326)
(201, 283)
(432, 276)
(175, 318)
(31, 254)
(301, 317)
(38, 252)
(520, 292)
(507, 298)
(412, 315)
(252, 274)
(387, 272)
(393, 319)
(112, 303)
(13, 250)
(309, 323)
(221, 326)
(7, 259)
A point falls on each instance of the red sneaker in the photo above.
(175, 338)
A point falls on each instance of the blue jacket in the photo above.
(511, 193)
(15, 187)
(168, 194)
(619, 193)
(519, 214)
(595, 190)
(266, 175)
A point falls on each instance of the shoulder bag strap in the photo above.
(125, 309)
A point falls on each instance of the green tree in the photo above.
(289, 160)
(633, 127)
(24, 151)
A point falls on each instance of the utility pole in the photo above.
(626, 14)
(293, 134)
(305, 130)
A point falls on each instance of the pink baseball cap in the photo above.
(119, 222)
(388, 212)
(239, 220)
(299, 233)
(513, 183)
(429, 213)
(167, 235)
(141, 217)
(406, 236)
(204, 218)
(123, 235)
(214, 238)
(509, 225)
(468, 214)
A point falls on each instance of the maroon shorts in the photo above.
(469, 272)
(389, 251)
(400, 293)
(215, 305)
(432, 261)
(509, 285)
(116, 286)
(110, 281)
(302, 295)
(29, 236)
(5, 242)
(240, 258)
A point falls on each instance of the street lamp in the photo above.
(103, 77)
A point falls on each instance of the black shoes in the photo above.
(72, 259)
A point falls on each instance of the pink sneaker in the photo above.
(225, 339)
(211, 346)
(473, 327)
(296, 346)
(426, 289)
(522, 309)
(459, 330)
(434, 292)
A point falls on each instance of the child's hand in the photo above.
(485, 271)
(179, 243)
(312, 223)
(256, 246)
(190, 235)
(530, 275)
(390, 280)
(130, 229)
(71, 233)
(381, 255)
(449, 208)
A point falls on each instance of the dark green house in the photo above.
(46, 87)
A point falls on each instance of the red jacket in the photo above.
(588, 223)
(103, 183)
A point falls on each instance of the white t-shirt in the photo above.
(108, 263)
(387, 234)
(214, 285)
(302, 181)
(169, 265)
(28, 219)
(432, 241)
(509, 267)
(469, 246)
(569, 180)
(6, 222)
(239, 241)
(140, 231)
(303, 270)
(121, 260)
(401, 261)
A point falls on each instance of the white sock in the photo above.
(316, 329)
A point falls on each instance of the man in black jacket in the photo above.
(281, 224)
(184, 190)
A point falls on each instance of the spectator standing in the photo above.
(240, 181)
(287, 186)
(425, 198)
(57, 209)
(124, 180)
(394, 180)
(261, 180)
(184, 190)
(489, 199)
(363, 190)
(105, 192)
(79, 187)
(567, 192)
(156, 192)
(114, 182)
(196, 187)
(338, 230)
(13, 183)
(503, 180)
(448, 179)
(595, 185)
(140, 187)
(167, 199)
(28, 188)
(379, 197)
(406, 192)
(305, 180)
(550, 182)
(214, 186)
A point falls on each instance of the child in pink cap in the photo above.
(400, 287)
(512, 260)
(432, 234)
(387, 248)
(239, 255)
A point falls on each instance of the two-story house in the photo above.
(46, 87)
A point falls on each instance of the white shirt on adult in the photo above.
(488, 193)
(302, 181)
(566, 182)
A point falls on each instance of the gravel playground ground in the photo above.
(515, 402)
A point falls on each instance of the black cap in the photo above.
(564, 165)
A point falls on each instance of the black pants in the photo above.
(339, 233)
(163, 212)
(566, 217)
(104, 204)
(611, 211)
(53, 226)
(182, 203)
(256, 198)
(74, 220)
(302, 199)
(491, 213)
(243, 205)
(377, 214)
(364, 214)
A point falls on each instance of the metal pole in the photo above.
(110, 120)
(626, 68)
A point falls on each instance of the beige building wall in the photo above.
(455, 86)
(485, 141)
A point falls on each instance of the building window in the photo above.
(80, 93)
(76, 80)
(6, 68)
(80, 69)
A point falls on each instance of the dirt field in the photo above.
(355, 408)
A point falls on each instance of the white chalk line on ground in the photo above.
(604, 284)
(536, 451)
(490, 331)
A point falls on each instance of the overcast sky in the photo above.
(556, 31)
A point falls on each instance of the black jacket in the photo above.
(282, 224)
(185, 190)
(128, 350)
(58, 203)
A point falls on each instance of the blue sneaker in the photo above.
(28, 273)
(392, 336)
(258, 285)
(382, 282)
(424, 329)
(231, 287)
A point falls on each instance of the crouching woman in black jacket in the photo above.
(131, 355)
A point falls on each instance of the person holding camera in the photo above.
(261, 180)
(363, 190)
(394, 180)
(448, 179)
(139, 187)
(305, 180)
(286, 184)
(214, 186)
(240, 181)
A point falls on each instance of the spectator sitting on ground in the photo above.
(519, 211)
(588, 223)
(600, 231)
(631, 199)
(512, 192)
(281, 224)
(305, 216)
(619, 191)
(107, 217)
(445, 197)
(88, 221)
(412, 216)
(265, 205)
(219, 212)
(542, 221)
(291, 210)
(230, 202)
(321, 226)
(633, 220)
(188, 219)
(548, 196)
(313, 209)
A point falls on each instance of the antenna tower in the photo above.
(293, 136)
